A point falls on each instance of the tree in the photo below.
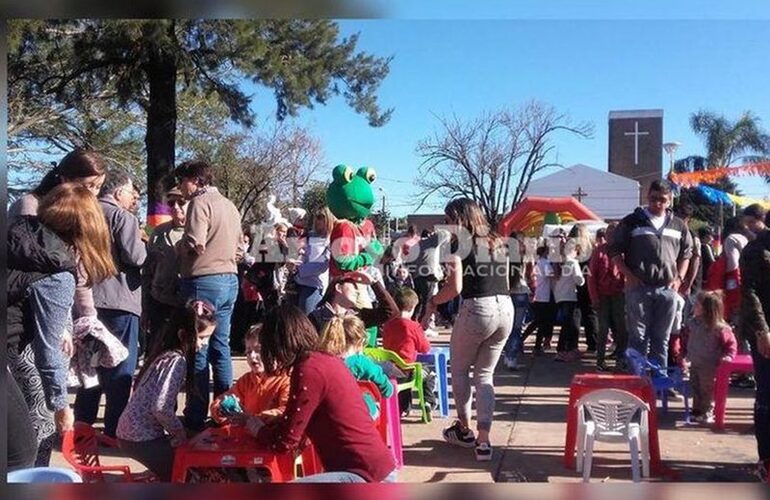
(146, 62)
(275, 159)
(730, 141)
(704, 210)
(314, 198)
(492, 159)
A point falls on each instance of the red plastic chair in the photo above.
(741, 364)
(585, 383)
(80, 448)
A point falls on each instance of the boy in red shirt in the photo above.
(406, 338)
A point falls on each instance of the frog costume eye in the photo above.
(342, 174)
(367, 173)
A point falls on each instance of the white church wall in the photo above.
(608, 195)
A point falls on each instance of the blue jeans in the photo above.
(342, 477)
(514, 344)
(761, 401)
(115, 382)
(221, 291)
(50, 300)
(309, 297)
(650, 313)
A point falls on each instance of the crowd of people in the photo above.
(86, 282)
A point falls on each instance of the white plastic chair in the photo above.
(613, 416)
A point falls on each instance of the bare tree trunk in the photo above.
(161, 122)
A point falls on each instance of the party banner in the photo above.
(692, 179)
(745, 201)
(715, 196)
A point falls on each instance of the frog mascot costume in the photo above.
(354, 241)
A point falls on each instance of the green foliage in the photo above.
(314, 198)
(142, 67)
(729, 141)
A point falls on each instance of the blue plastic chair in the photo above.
(44, 475)
(438, 357)
(662, 379)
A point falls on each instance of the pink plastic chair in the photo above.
(389, 421)
(741, 364)
(393, 416)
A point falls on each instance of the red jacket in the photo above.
(729, 282)
(605, 279)
(405, 337)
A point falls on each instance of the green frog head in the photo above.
(350, 194)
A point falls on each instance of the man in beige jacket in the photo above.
(207, 267)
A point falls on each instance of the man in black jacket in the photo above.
(755, 318)
(652, 248)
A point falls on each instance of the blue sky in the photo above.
(585, 68)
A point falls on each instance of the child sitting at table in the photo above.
(149, 429)
(345, 336)
(406, 338)
(711, 340)
(255, 393)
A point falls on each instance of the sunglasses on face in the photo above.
(176, 203)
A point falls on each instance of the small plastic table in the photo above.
(438, 358)
(230, 446)
(588, 382)
(741, 364)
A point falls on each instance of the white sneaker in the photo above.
(430, 332)
(483, 452)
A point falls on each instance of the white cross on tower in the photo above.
(636, 135)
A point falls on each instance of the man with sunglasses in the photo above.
(160, 274)
(652, 248)
(208, 254)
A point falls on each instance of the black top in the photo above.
(487, 277)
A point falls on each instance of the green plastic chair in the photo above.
(380, 354)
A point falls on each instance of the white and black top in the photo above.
(652, 254)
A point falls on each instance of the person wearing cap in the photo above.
(160, 274)
(347, 293)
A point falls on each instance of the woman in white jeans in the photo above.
(478, 272)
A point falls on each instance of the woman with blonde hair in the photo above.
(312, 276)
(45, 254)
(478, 271)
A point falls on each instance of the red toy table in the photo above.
(584, 383)
(230, 447)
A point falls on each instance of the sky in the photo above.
(585, 68)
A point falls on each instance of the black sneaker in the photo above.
(456, 435)
(601, 367)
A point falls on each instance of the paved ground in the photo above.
(528, 435)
